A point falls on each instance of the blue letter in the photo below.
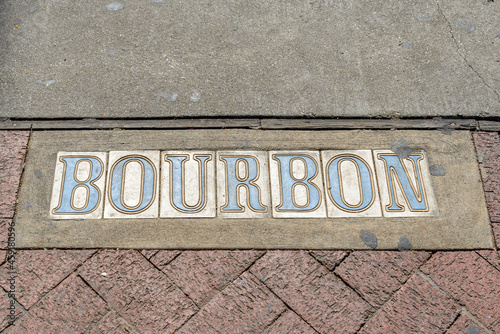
(365, 182)
(289, 182)
(177, 176)
(71, 183)
(148, 184)
(234, 181)
(396, 173)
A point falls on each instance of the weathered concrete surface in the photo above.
(63, 58)
(462, 222)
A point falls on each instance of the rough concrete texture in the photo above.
(174, 58)
(12, 151)
(488, 153)
(377, 275)
(469, 279)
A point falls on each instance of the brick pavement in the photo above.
(166, 291)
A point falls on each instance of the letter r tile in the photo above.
(79, 183)
(187, 184)
(132, 184)
(404, 184)
(297, 184)
(243, 184)
(350, 184)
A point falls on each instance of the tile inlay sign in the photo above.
(250, 184)
(251, 189)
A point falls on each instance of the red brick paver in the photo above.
(290, 323)
(112, 324)
(41, 270)
(161, 258)
(417, 308)
(70, 308)
(488, 151)
(13, 146)
(465, 325)
(329, 259)
(201, 274)
(377, 275)
(470, 279)
(144, 296)
(246, 306)
(313, 292)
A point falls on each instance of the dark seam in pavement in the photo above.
(269, 327)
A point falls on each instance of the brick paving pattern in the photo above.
(273, 292)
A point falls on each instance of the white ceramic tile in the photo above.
(132, 184)
(350, 184)
(243, 184)
(79, 185)
(187, 196)
(297, 191)
(414, 174)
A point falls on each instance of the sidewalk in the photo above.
(166, 291)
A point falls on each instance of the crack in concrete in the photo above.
(463, 56)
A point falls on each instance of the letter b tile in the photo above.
(297, 184)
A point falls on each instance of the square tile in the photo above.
(187, 184)
(132, 184)
(243, 184)
(297, 184)
(350, 184)
(404, 184)
(79, 182)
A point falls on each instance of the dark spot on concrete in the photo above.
(404, 244)
(29, 205)
(437, 170)
(369, 239)
(38, 174)
(473, 330)
(446, 131)
(423, 18)
(401, 148)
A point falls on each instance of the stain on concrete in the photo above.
(369, 239)
(110, 53)
(195, 96)
(114, 6)
(467, 26)
(437, 170)
(401, 148)
(159, 1)
(404, 244)
(473, 330)
(407, 45)
(168, 97)
(46, 83)
(423, 18)
(38, 173)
